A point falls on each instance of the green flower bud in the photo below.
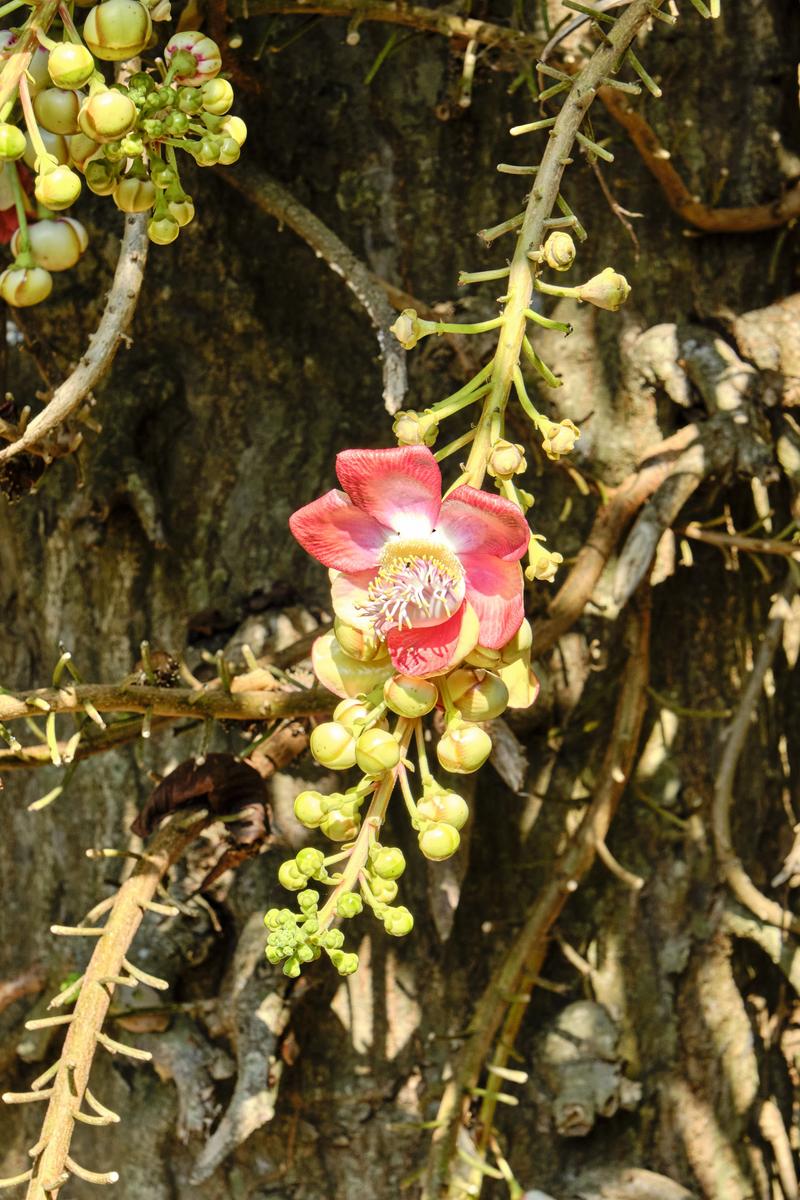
(153, 128)
(415, 429)
(12, 142)
(608, 290)
(289, 876)
(389, 862)
(340, 825)
(117, 30)
(358, 643)
(506, 459)
(101, 178)
(229, 151)
(181, 210)
(463, 748)
(559, 437)
(349, 905)
(161, 230)
(309, 861)
(478, 695)
(207, 152)
(274, 955)
(70, 65)
(346, 964)
(351, 713)
(384, 890)
(194, 57)
(22, 287)
(333, 939)
(439, 842)
(57, 245)
(107, 116)
(482, 656)
(132, 146)
(190, 100)
(409, 696)
(234, 127)
(407, 328)
(272, 918)
(167, 96)
(447, 807)
(142, 82)
(58, 189)
(308, 901)
(292, 965)
(308, 809)
(113, 152)
(559, 251)
(81, 150)
(54, 144)
(305, 953)
(162, 174)
(333, 746)
(176, 123)
(377, 751)
(217, 96)
(134, 195)
(398, 921)
(57, 110)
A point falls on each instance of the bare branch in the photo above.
(117, 316)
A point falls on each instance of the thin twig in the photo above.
(97, 360)
(740, 541)
(731, 866)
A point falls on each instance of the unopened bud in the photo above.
(439, 842)
(308, 809)
(409, 328)
(506, 459)
(447, 807)
(543, 563)
(333, 746)
(106, 116)
(290, 877)
(482, 656)
(343, 674)
(389, 862)
(58, 189)
(349, 905)
(477, 694)
(22, 287)
(346, 964)
(217, 96)
(410, 696)
(12, 142)
(340, 825)
(608, 290)
(70, 65)
(415, 429)
(358, 643)
(559, 251)
(398, 921)
(384, 890)
(351, 713)
(377, 752)
(559, 437)
(309, 861)
(117, 30)
(464, 748)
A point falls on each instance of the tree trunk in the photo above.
(251, 365)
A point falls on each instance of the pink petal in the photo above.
(348, 594)
(495, 591)
(401, 488)
(339, 534)
(435, 649)
(473, 520)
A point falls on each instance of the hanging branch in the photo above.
(104, 343)
(65, 1084)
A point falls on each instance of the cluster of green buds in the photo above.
(361, 872)
(67, 122)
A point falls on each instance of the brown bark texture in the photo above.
(660, 1049)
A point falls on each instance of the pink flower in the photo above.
(433, 578)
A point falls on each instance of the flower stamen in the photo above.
(419, 582)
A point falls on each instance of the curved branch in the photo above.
(274, 199)
(117, 316)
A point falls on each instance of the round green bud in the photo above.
(289, 876)
(57, 110)
(308, 809)
(349, 905)
(134, 195)
(22, 287)
(181, 210)
(274, 955)
(167, 96)
(439, 842)
(140, 81)
(346, 964)
(444, 806)
(217, 96)
(113, 152)
(162, 230)
(162, 174)
(308, 900)
(358, 643)
(81, 149)
(398, 921)
(12, 142)
(107, 116)
(56, 244)
(272, 918)
(234, 127)
(559, 251)
(409, 696)
(117, 30)
(333, 939)
(309, 861)
(463, 748)
(377, 751)
(229, 151)
(608, 290)
(190, 100)
(70, 65)
(351, 713)
(58, 189)
(389, 862)
(478, 695)
(206, 153)
(176, 123)
(132, 145)
(54, 143)
(101, 178)
(340, 826)
(384, 890)
(333, 746)
(291, 967)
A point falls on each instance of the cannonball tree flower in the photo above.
(431, 578)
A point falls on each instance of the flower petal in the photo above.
(339, 534)
(343, 675)
(401, 487)
(435, 649)
(495, 591)
(473, 520)
(349, 594)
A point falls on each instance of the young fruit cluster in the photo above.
(122, 138)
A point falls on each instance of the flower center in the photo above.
(420, 582)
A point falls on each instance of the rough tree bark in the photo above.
(250, 366)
